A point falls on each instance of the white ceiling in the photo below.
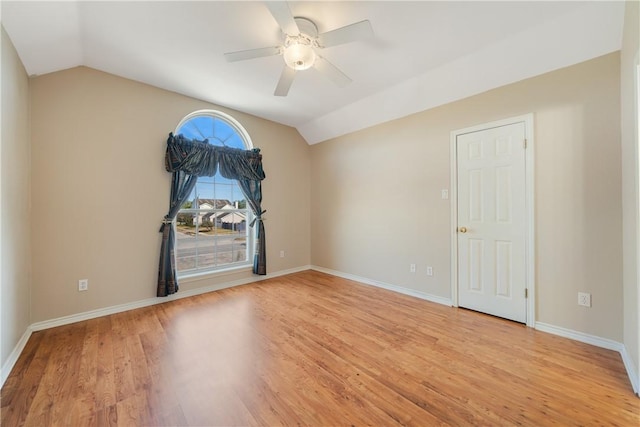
(423, 54)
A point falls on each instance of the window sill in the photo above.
(192, 277)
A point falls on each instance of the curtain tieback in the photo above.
(165, 221)
(257, 218)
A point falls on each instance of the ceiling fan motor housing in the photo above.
(306, 27)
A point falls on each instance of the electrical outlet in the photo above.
(429, 271)
(83, 284)
(281, 254)
(445, 194)
(412, 268)
(584, 299)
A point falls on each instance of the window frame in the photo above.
(244, 135)
(250, 236)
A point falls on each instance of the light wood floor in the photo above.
(315, 350)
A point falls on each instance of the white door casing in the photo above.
(492, 218)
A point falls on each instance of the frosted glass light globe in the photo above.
(299, 56)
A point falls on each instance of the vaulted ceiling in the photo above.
(422, 54)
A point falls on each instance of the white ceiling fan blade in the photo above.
(286, 78)
(349, 33)
(331, 71)
(242, 55)
(283, 16)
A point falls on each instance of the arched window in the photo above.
(212, 231)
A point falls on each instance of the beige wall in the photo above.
(15, 222)
(100, 189)
(377, 206)
(630, 60)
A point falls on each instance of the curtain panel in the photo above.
(188, 159)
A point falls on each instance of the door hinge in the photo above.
(524, 143)
(526, 293)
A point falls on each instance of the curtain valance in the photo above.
(200, 158)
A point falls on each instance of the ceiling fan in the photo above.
(301, 46)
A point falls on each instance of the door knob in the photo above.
(462, 229)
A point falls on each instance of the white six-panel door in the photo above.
(491, 232)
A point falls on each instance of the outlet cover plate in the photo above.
(584, 299)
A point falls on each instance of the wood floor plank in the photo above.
(23, 382)
(316, 350)
(105, 393)
(134, 411)
(107, 417)
(59, 379)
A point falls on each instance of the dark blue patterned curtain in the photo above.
(181, 186)
(253, 192)
(188, 159)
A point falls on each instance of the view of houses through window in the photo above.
(212, 227)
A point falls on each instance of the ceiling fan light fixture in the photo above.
(301, 44)
(299, 55)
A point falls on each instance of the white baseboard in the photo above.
(383, 285)
(631, 370)
(580, 336)
(87, 315)
(13, 357)
(598, 342)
